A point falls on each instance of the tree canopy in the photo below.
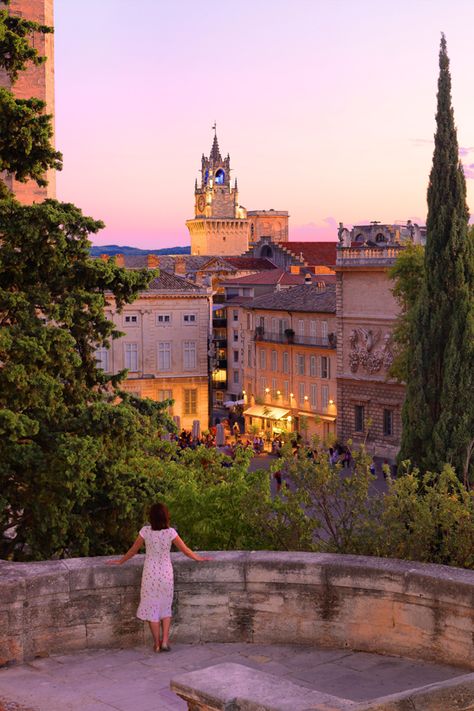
(438, 413)
(73, 449)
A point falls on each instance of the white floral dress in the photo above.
(156, 595)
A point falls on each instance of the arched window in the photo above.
(380, 237)
(220, 177)
(360, 237)
(266, 251)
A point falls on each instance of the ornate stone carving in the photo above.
(363, 351)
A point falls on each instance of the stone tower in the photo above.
(220, 225)
(38, 82)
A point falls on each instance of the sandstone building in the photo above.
(37, 82)
(287, 349)
(369, 401)
(221, 226)
(165, 347)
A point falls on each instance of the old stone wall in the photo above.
(371, 604)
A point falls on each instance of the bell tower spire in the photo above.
(220, 224)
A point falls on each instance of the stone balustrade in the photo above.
(367, 256)
(371, 604)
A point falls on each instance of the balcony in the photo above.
(222, 363)
(330, 342)
(220, 341)
(368, 256)
(219, 322)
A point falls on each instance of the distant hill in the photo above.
(112, 249)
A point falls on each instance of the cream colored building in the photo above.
(165, 347)
(288, 361)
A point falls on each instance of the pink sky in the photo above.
(326, 108)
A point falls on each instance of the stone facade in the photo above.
(369, 400)
(165, 347)
(294, 374)
(219, 226)
(38, 82)
(369, 604)
(268, 223)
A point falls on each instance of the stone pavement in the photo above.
(138, 680)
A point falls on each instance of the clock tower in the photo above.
(220, 225)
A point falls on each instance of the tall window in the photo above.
(236, 356)
(286, 390)
(102, 358)
(274, 360)
(286, 362)
(324, 396)
(300, 365)
(388, 423)
(235, 336)
(301, 327)
(164, 356)
(312, 366)
(312, 330)
(274, 386)
(131, 356)
(359, 418)
(263, 358)
(301, 393)
(325, 367)
(249, 321)
(262, 386)
(324, 332)
(274, 325)
(190, 401)
(249, 356)
(236, 379)
(314, 395)
(165, 395)
(189, 355)
(235, 315)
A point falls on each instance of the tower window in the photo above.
(220, 177)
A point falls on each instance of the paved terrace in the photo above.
(139, 680)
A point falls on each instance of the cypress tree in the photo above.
(438, 413)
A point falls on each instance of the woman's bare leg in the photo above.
(155, 630)
(166, 622)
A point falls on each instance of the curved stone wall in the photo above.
(371, 604)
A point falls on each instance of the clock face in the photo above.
(201, 203)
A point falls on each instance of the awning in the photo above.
(271, 413)
(326, 418)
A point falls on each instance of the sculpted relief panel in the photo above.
(365, 351)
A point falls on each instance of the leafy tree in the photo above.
(438, 413)
(407, 273)
(76, 463)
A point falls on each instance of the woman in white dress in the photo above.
(156, 595)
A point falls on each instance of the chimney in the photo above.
(152, 261)
(120, 260)
(180, 266)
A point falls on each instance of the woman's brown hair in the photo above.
(159, 517)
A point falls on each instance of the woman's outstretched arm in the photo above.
(130, 553)
(181, 545)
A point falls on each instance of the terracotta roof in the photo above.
(307, 297)
(256, 263)
(313, 253)
(193, 263)
(170, 282)
(272, 276)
